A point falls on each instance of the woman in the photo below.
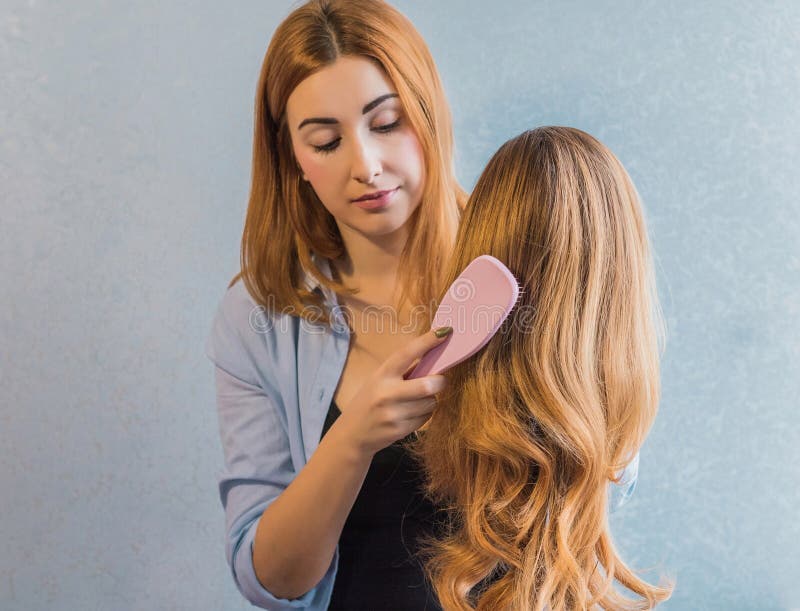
(353, 210)
(530, 430)
(331, 308)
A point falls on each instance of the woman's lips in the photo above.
(376, 203)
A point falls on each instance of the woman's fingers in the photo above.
(400, 362)
(420, 388)
(413, 410)
(388, 407)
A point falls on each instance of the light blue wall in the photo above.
(125, 134)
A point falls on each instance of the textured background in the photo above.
(125, 134)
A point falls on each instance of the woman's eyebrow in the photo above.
(365, 110)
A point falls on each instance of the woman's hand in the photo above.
(388, 407)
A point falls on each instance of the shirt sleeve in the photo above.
(257, 460)
(619, 493)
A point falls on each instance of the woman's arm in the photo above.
(282, 526)
(258, 461)
(298, 533)
(258, 469)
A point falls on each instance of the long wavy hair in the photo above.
(285, 221)
(529, 432)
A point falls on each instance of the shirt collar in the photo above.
(339, 322)
(312, 284)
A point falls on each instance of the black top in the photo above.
(378, 564)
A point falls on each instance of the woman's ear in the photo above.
(299, 169)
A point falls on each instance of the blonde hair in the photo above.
(285, 220)
(530, 430)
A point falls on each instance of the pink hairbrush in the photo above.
(475, 305)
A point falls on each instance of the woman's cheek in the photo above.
(314, 171)
(411, 152)
(305, 162)
(323, 179)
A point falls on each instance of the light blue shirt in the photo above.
(275, 377)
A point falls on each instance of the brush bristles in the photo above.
(520, 293)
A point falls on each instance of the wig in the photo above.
(285, 221)
(530, 430)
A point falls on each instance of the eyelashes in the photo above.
(334, 144)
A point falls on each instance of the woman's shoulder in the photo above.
(246, 314)
(237, 300)
(247, 337)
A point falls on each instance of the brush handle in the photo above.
(427, 364)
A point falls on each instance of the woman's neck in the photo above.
(369, 264)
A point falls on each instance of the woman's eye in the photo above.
(334, 144)
(327, 148)
(388, 127)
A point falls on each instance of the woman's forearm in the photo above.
(297, 534)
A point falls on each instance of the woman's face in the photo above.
(351, 138)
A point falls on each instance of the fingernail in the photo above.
(442, 331)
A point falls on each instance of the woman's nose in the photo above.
(366, 163)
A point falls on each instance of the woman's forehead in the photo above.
(339, 90)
